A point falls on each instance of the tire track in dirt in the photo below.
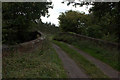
(70, 66)
(109, 71)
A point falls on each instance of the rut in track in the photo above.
(70, 66)
(109, 71)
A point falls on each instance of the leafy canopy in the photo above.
(18, 17)
(73, 21)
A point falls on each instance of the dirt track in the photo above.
(70, 66)
(109, 71)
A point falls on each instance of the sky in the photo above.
(58, 8)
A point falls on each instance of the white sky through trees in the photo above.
(59, 7)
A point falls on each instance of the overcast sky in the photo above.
(60, 7)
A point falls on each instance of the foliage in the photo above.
(94, 31)
(110, 37)
(48, 28)
(105, 15)
(90, 69)
(73, 21)
(18, 17)
(105, 54)
(80, 23)
(65, 38)
(41, 63)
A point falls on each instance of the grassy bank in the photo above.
(42, 63)
(89, 68)
(109, 56)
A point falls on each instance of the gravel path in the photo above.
(109, 71)
(70, 66)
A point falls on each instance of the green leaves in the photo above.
(18, 17)
(73, 21)
(102, 14)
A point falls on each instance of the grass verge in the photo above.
(42, 63)
(106, 55)
(89, 68)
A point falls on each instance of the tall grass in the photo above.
(90, 69)
(109, 56)
(42, 63)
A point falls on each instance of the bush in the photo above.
(65, 38)
(94, 31)
(105, 54)
(110, 37)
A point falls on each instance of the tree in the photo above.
(106, 15)
(95, 31)
(73, 21)
(17, 18)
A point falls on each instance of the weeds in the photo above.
(42, 63)
(109, 56)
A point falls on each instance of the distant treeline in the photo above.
(48, 28)
(102, 22)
